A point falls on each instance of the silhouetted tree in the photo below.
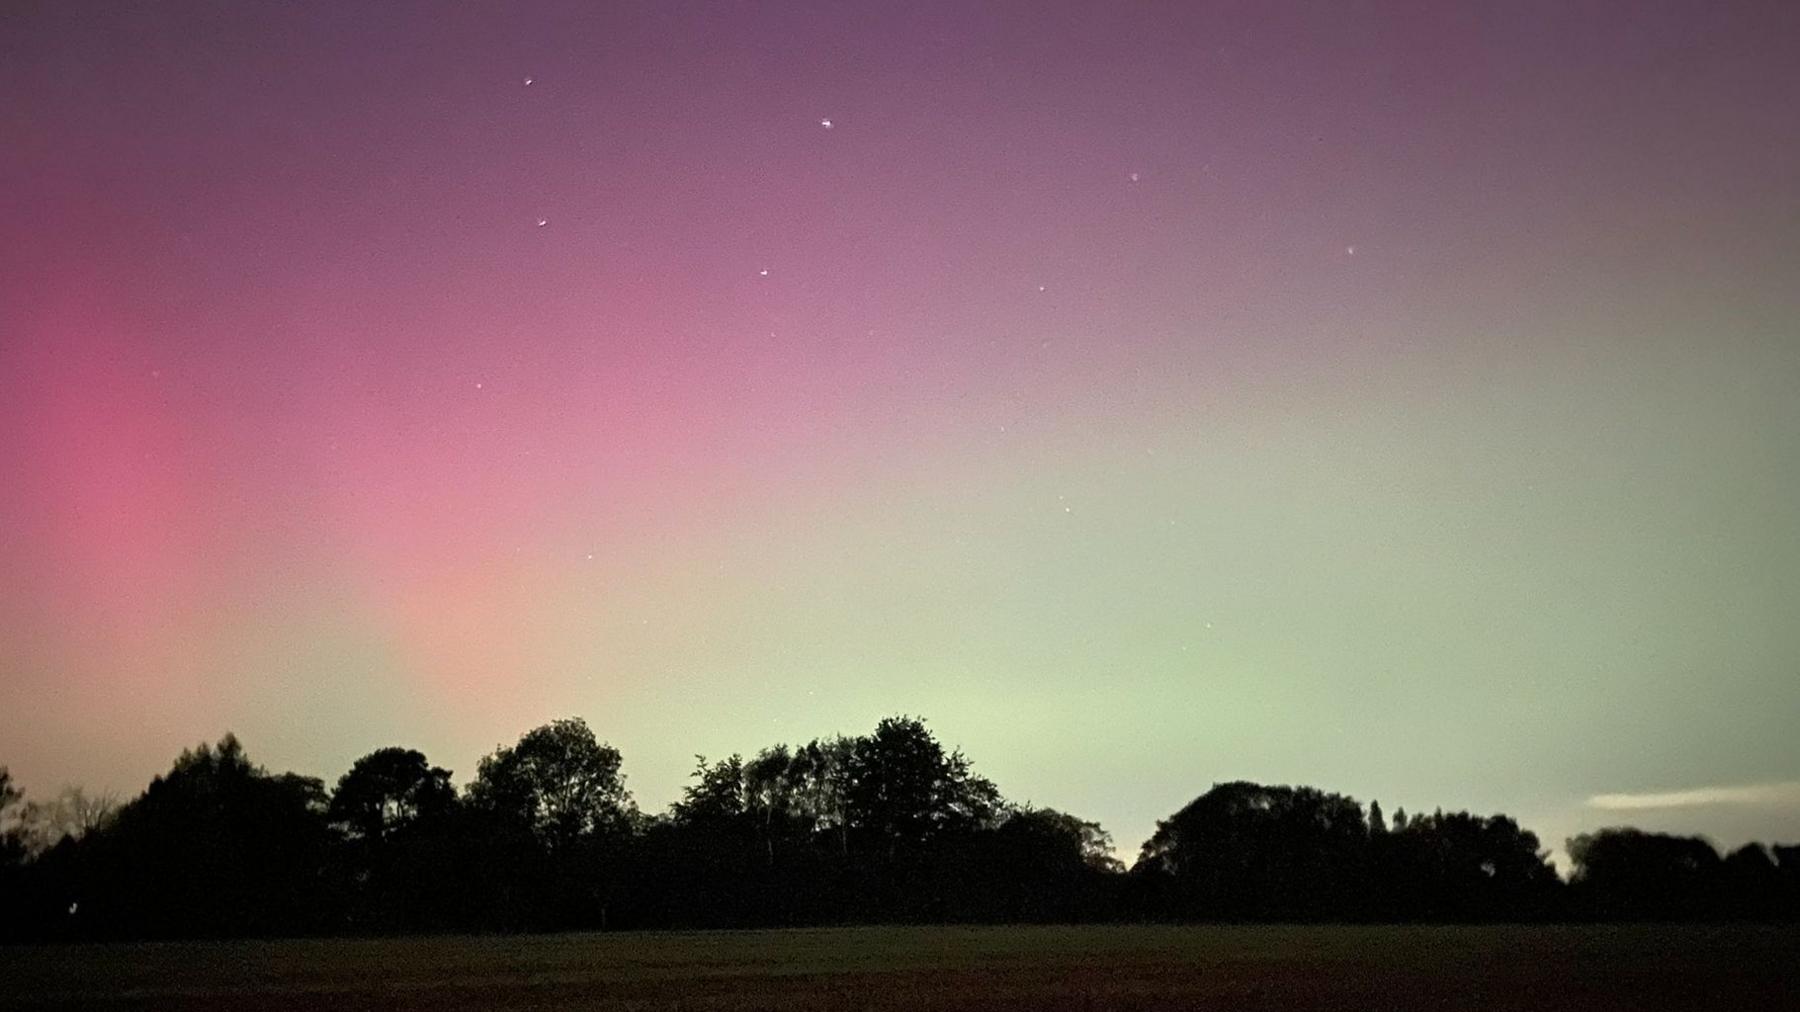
(717, 797)
(559, 782)
(1087, 841)
(1628, 873)
(903, 790)
(387, 792)
(217, 846)
(1460, 866)
(400, 853)
(1750, 884)
(888, 826)
(704, 857)
(1042, 865)
(555, 817)
(12, 842)
(1787, 874)
(735, 849)
(13, 904)
(822, 769)
(1244, 850)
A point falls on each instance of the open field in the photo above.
(1140, 968)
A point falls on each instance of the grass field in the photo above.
(1332, 967)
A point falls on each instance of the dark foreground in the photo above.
(1553, 967)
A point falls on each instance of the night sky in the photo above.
(1398, 398)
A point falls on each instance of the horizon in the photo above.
(1399, 403)
(1652, 811)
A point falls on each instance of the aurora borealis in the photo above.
(1393, 398)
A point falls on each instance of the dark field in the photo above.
(1632, 967)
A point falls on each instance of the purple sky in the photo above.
(1397, 398)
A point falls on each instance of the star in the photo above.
(1134, 177)
(1350, 250)
(528, 82)
(542, 222)
(825, 123)
(763, 273)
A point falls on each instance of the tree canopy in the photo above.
(886, 826)
(559, 782)
(388, 792)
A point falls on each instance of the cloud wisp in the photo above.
(1776, 795)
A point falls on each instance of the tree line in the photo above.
(884, 827)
